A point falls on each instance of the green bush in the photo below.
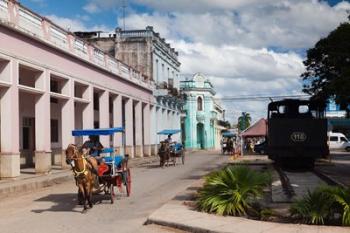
(314, 208)
(232, 190)
(323, 205)
(342, 198)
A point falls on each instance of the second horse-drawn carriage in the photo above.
(227, 143)
(110, 174)
(169, 151)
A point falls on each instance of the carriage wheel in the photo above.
(111, 192)
(128, 182)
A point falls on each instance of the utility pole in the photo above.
(124, 8)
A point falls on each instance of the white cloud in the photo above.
(234, 42)
(241, 71)
(91, 8)
(228, 41)
(96, 6)
(76, 24)
(284, 24)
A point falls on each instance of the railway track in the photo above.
(289, 185)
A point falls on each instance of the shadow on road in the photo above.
(61, 203)
(68, 202)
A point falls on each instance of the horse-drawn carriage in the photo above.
(170, 151)
(227, 143)
(112, 171)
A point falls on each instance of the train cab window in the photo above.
(303, 109)
(342, 139)
(333, 139)
(282, 109)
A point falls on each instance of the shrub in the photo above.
(232, 190)
(342, 198)
(322, 205)
(314, 208)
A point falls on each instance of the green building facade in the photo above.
(200, 125)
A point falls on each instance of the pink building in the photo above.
(52, 82)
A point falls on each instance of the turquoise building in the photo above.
(201, 125)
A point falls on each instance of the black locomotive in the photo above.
(297, 132)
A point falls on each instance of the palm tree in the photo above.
(232, 190)
(244, 121)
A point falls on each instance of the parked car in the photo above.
(260, 148)
(338, 141)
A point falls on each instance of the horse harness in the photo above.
(82, 173)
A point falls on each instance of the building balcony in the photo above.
(45, 31)
(160, 92)
(213, 115)
(200, 116)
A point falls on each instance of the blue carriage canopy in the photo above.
(96, 132)
(228, 134)
(169, 131)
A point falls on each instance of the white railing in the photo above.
(58, 37)
(134, 34)
(81, 48)
(113, 65)
(4, 15)
(99, 57)
(32, 24)
(124, 68)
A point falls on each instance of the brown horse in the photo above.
(82, 170)
(164, 153)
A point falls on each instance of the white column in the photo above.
(104, 116)
(159, 123)
(153, 131)
(147, 127)
(168, 119)
(163, 122)
(10, 157)
(129, 134)
(67, 121)
(117, 122)
(138, 129)
(88, 111)
(43, 128)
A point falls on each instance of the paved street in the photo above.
(54, 209)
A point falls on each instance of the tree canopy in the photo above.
(327, 74)
(244, 121)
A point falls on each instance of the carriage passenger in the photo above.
(95, 147)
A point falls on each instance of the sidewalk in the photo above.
(28, 181)
(179, 214)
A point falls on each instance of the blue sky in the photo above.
(245, 47)
(75, 9)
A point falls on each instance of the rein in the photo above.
(76, 172)
(84, 171)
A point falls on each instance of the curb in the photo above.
(179, 226)
(33, 184)
(16, 187)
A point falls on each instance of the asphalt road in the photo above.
(54, 209)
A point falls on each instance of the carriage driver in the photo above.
(169, 139)
(95, 148)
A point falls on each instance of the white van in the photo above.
(338, 141)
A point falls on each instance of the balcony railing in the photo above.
(200, 116)
(14, 15)
(4, 10)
